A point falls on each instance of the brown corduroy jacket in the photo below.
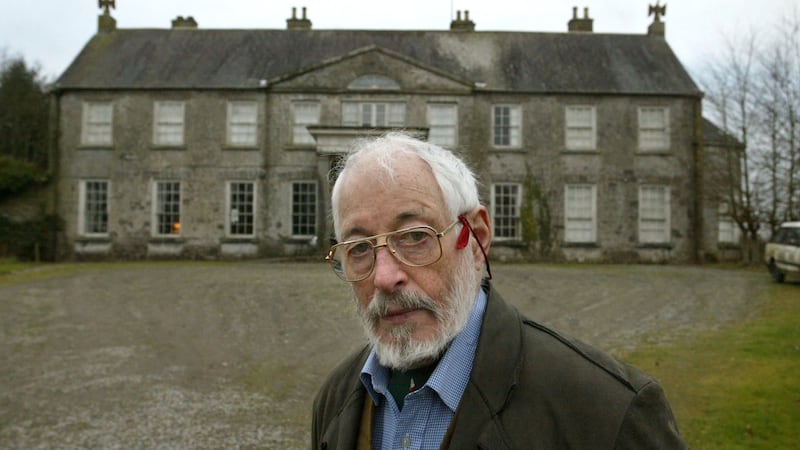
(530, 388)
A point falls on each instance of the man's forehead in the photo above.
(407, 172)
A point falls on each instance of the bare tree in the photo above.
(753, 92)
(729, 84)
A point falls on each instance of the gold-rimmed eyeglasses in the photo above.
(418, 246)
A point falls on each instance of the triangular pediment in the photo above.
(338, 74)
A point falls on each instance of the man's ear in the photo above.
(479, 219)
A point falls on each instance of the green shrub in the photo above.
(31, 240)
(17, 176)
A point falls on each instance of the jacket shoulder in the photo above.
(579, 353)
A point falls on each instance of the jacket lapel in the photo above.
(343, 430)
(495, 373)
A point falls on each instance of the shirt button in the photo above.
(406, 441)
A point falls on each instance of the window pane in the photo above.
(304, 209)
(653, 128)
(502, 123)
(168, 208)
(443, 124)
(241, 208)
(506, 199)
(242, 123)
(507, 123)
(366, 115)
(653, 214)
(397, 114)
(305, 114)
(168, 123)
(580, 127)
(350, 114)
(368, 82)
(95, 207)
(374, 114)
(579, 213)
(97, 124)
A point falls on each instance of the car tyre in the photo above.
(777, 275)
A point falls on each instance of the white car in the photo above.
(782, 254)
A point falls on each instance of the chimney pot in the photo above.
(181, 22)
(462, 25)
(580, 25)
(298, 24)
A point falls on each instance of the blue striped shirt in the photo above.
(428, 411)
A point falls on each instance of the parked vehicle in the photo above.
(782, 254)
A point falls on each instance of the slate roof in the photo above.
(504, 61)
(714, 135)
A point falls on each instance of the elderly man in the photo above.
(449, 364)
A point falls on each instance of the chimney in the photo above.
(657, 28)
(298, 24)
(580, 25)
(179, 23)
(462, 25)
(106, 23)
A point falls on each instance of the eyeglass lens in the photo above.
(414, 247)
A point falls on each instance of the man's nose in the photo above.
(389, 271)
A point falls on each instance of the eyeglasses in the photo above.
(415, 247)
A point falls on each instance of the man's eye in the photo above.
(412, 237)
(359, 249)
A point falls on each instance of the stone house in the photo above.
(208, 143)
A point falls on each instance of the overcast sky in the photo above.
(50, 33)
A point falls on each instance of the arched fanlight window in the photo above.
(373, 82)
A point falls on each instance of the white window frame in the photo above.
(242, 124)
(513, 218)
(514, 126)
(85, 198)
(654, 223)
(654, 131)
(97, 128)
(727, 230)
(443, 124)
(580, 213)
(176, 227)
(304, 113)
(580, 127)
(234, 214)
(169, 118)
(374, 114)
(295, 216)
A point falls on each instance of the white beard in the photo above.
(401, 351)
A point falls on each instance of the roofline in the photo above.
(277, 89)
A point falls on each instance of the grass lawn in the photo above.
(739, 387)
(8, 265)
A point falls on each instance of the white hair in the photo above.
(456, 181)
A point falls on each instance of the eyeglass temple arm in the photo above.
(463, 240)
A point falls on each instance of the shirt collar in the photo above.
(450, 378)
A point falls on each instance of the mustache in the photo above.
(381, 303)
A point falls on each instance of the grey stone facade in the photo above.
(539, 74)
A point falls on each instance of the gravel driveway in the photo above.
(200, 355)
